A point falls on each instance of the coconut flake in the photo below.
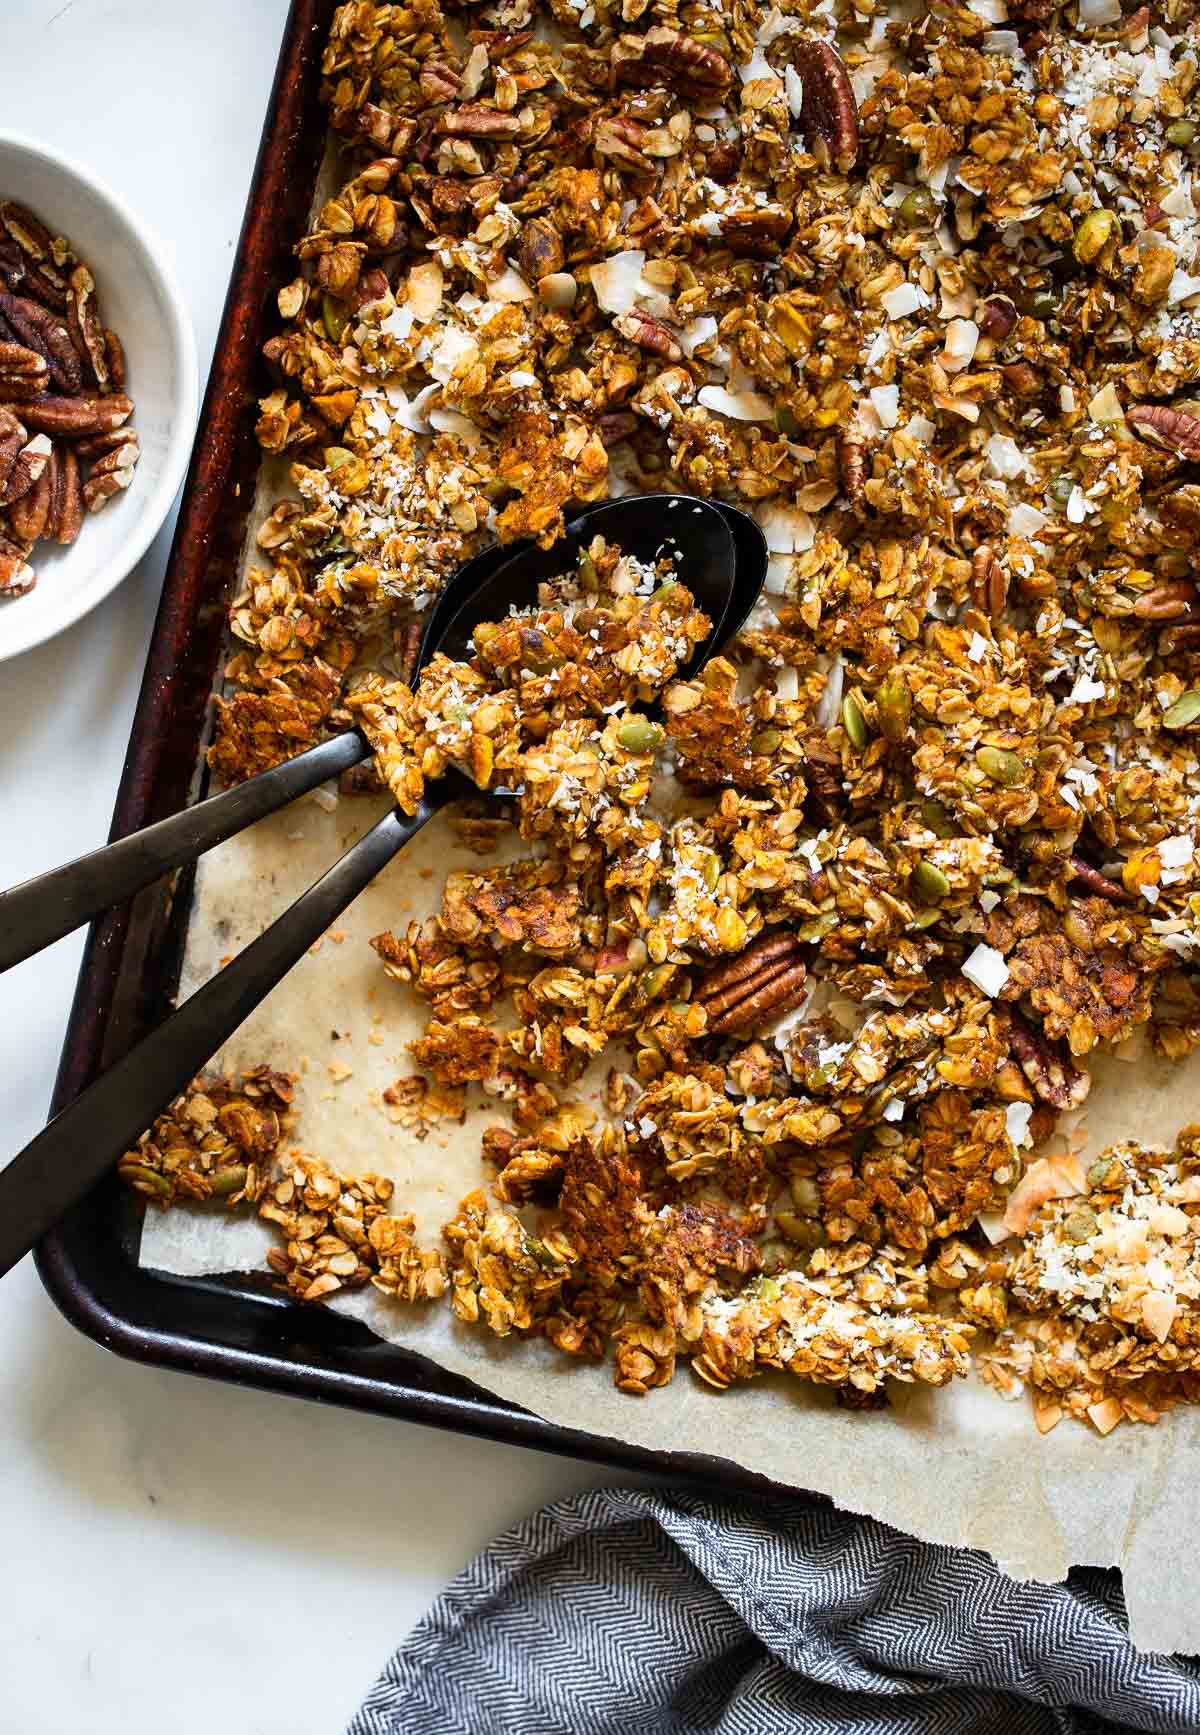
(986, 969)
(905, 299)
(961, 337)
(885, 401)
(738, 406)
(425, 286)
(1026, 520)
(1094, 13)
(697, 331)
(1017, 1117)
(453, 422)
(1005, 459)
(509, 287)
(787, 685)
(453, 345)
(793, 84)
(787, 529)
(617, 280)
(829, 707)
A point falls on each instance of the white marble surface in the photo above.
(245, 1561)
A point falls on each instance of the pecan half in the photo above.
(23, 373)
(97, 445)
(40, 330)
(1022, 379)
(70, 417)
(1098, 884)
(30, 463)
(67, 510)
(109, 476)
(1172, 430)
(17, 577)
(114, 350)
(85, 326)
(35, 270)
(540, 251)
(13, 436)
(1171, 601)
(30, 515)
(474, 121)
(648, 333)
(852, 465)
(616, 425)
(828, 111)
(1047, 1065)
(989, 582)
(439, 82)
(619, 139)
(997, 318)
(764, 981)
(667, 57)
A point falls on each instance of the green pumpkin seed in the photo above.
(854, 723)
(893, 702)
(1093, 235)
(640, 736)
(937, 818)
(226, 1181)
(1184, 711)
(1080, 1224)
(1097, 1175)
(1044, 305)
(926, 918)
(786, 423)
(930, 883)
(337, 457)
(1002, 766)
(810, 932)
(1180, 133)
(145, 1180)
(1061, 489)
(335, 318)
(655, 980)
(712, 872)
(766, 741)
(918, 209)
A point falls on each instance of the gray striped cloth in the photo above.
(630, 1610)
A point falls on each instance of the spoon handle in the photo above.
(90, 1134)
(42, 910)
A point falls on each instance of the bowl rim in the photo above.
(81, 600)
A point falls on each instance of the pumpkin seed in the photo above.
(766, 741)
(1080, 1224)
(334, 318)
(893, 702)
(918, 209)
(937, 818)
(1002, 766)
(930, 883)
(854, 723)
(146, 1180)
(810, 932)
(226, 1181)
(640, 736)
(1093, 235)
(1184, 711)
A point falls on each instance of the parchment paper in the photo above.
(959, 1465)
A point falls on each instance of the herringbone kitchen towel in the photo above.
(625, 1611)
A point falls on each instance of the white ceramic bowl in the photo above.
(141, 301)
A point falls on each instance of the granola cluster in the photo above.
(845, 916)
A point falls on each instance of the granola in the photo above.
(847, 915)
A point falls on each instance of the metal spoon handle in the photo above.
(89, 1136)
(42, 910)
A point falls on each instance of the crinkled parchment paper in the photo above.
(959, 1465)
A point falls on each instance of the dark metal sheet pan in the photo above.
(237, 1329)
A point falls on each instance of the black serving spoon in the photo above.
(91, 1133)
(41, 910)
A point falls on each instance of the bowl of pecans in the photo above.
(98, 393)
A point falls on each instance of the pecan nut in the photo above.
(1098, 884)
(114, 350)
(31, 257)
(667, 57)
(474, 121)
(86, 327)
(28, 467)
(648, 333)
(29, 516)
(1047, 1065)
(67, 418)
(540, 251)
(828, 111)
(763, 982)
(96, 445)
(620, 139)
(23, 373)
(616, 425)
(67, 509)
(1172, 430)
(13, 436)
(43, 331)
(109, 476)
(852, 465)
(989, 582)
(17, 577)
(1172, 601)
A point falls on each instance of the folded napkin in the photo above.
(630, 1610)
